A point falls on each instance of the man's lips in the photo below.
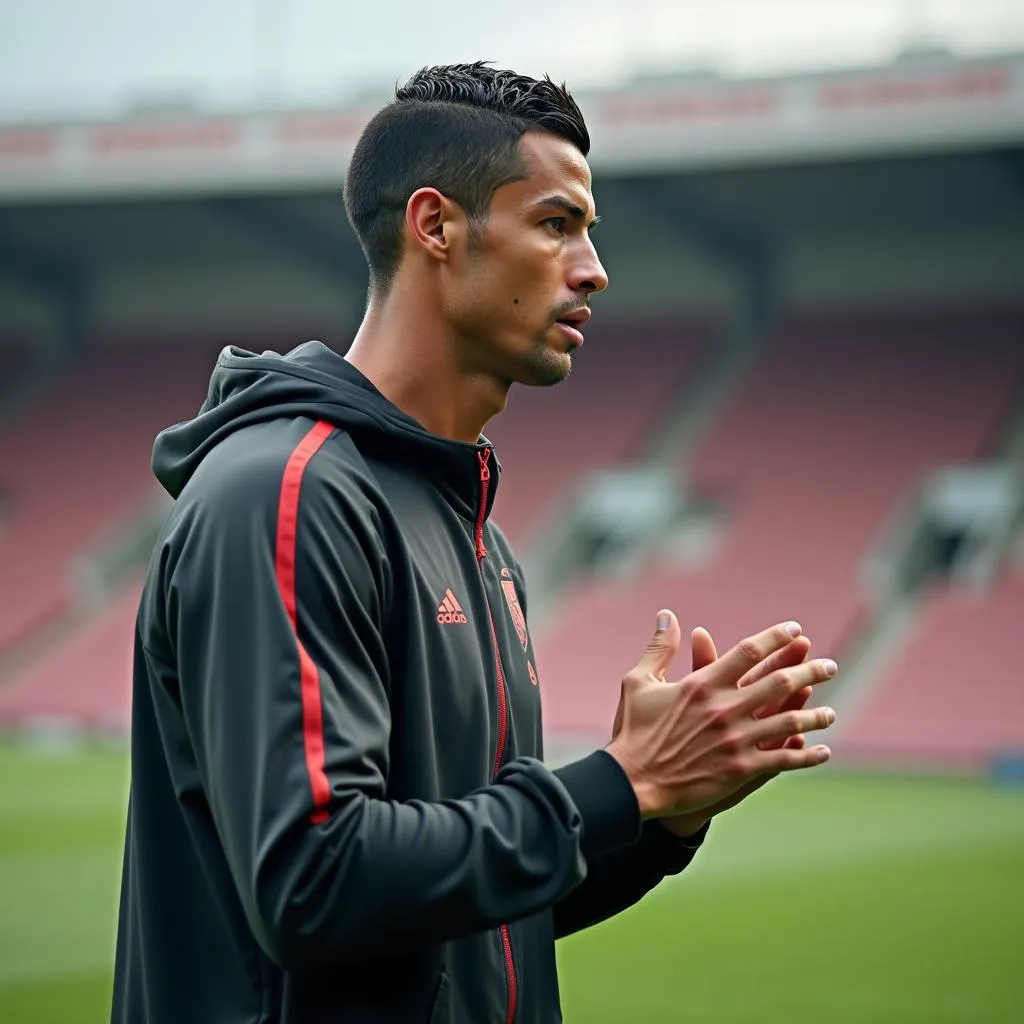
(575, 319)
(571, 323)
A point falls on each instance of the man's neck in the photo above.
(413, 361)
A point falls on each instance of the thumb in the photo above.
(662, 647)
(703, 648)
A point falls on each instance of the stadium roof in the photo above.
(934, 103)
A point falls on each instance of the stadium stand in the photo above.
(75, 464)
(83, 683)
(953, 695)
(889, 395)
(837, 418)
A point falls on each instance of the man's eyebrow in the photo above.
(576, 212)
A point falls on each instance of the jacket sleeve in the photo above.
(275, 612)
(617, 880)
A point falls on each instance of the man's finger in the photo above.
(786, 759)
(791, 723)
(662, 647)
(782, 684)
(795, 703)
(702, 649)
(792, 654)
(747, 654)
(657, 657)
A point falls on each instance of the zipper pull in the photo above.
(485, 482)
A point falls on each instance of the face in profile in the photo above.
(518, 295)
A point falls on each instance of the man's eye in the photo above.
(557, 223)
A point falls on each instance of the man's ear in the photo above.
(435, 224)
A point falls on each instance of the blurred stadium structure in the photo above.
(802, 395)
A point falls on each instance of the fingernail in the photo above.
(662, 622)
(830, 715)
(793, 628)
(830, 667)
(823, 754)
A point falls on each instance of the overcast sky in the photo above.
(101, 57)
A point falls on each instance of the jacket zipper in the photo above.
(510, 973)
(481, 553)
(485, 487)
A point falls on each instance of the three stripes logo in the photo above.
(450, 611)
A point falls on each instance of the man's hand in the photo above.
(703, 653)
(693, 747)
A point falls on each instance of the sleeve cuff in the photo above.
(605, 800)
(688, 842)
(672, 853)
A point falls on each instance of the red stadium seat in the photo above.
(75, 465)
(85, 681)
(954, 693)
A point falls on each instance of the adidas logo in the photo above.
(450, 610)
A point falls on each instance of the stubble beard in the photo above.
(543, 366)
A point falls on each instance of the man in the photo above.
(338, 808)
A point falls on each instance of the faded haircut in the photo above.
(455, 128)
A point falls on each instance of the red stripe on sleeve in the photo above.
(309, 677)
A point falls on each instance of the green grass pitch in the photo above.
(827, 897)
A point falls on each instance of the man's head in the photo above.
(474, 183)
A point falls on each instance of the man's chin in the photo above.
(546, 368)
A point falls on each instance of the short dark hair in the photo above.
(455, 128)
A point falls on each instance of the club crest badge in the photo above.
(516, 611)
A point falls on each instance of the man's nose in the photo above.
(587, 274)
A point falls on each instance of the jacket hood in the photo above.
(314, 381)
